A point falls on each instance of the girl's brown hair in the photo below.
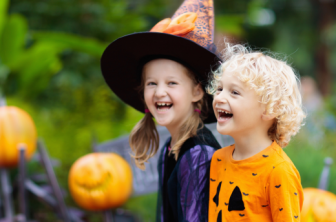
(144, 138)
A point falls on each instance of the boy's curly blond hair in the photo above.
(273, 80)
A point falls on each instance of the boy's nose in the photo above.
(221, 98)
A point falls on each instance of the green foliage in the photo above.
(13, 38)
(31, 66)
(143, 206)
(3, 10)
(309, 160)
(26, 63)
(90, 46)
(230, 24)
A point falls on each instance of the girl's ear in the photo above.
(198, 93)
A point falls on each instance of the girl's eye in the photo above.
(172, 83)
(151, 84)
(219, 89)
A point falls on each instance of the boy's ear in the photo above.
(268, 117)
(198, 93)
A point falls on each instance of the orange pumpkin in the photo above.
(100, 181)
(319, 206)
(16, 127)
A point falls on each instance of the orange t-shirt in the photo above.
(264, 187)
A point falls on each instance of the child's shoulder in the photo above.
(282, 163)
(281, 155)
(222, 152)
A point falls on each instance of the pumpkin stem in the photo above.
(3, 101)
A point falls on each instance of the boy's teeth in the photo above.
(222, 111)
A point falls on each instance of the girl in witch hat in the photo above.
(163, 74)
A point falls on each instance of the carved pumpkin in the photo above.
(16, 127)
(100, 181)
(319, 206)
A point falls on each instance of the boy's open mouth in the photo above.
(222, 114)
(163, 106)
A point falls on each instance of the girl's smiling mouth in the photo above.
(163, 106)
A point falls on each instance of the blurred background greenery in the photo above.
(49, 66)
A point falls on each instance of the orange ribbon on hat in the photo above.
(180, 26)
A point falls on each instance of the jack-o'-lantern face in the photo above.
(324, 207)
(100, 181)
(318, 206)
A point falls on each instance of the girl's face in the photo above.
(169, 92)
(237, 108)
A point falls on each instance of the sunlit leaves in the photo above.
(12, 40)
(3, 10)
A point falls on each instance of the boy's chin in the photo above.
(223, 130)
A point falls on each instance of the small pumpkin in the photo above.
(100, 181)
(16, 127)
(318, 206)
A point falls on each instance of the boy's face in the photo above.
(237, 107)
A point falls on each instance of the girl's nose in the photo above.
(160, 91)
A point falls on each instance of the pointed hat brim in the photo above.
(123, 59)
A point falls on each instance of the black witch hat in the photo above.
(186, 38)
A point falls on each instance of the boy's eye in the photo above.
(234, 92)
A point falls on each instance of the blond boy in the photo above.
(256, 101)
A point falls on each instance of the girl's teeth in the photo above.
(163, 104)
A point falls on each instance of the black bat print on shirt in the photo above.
(216, 197)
